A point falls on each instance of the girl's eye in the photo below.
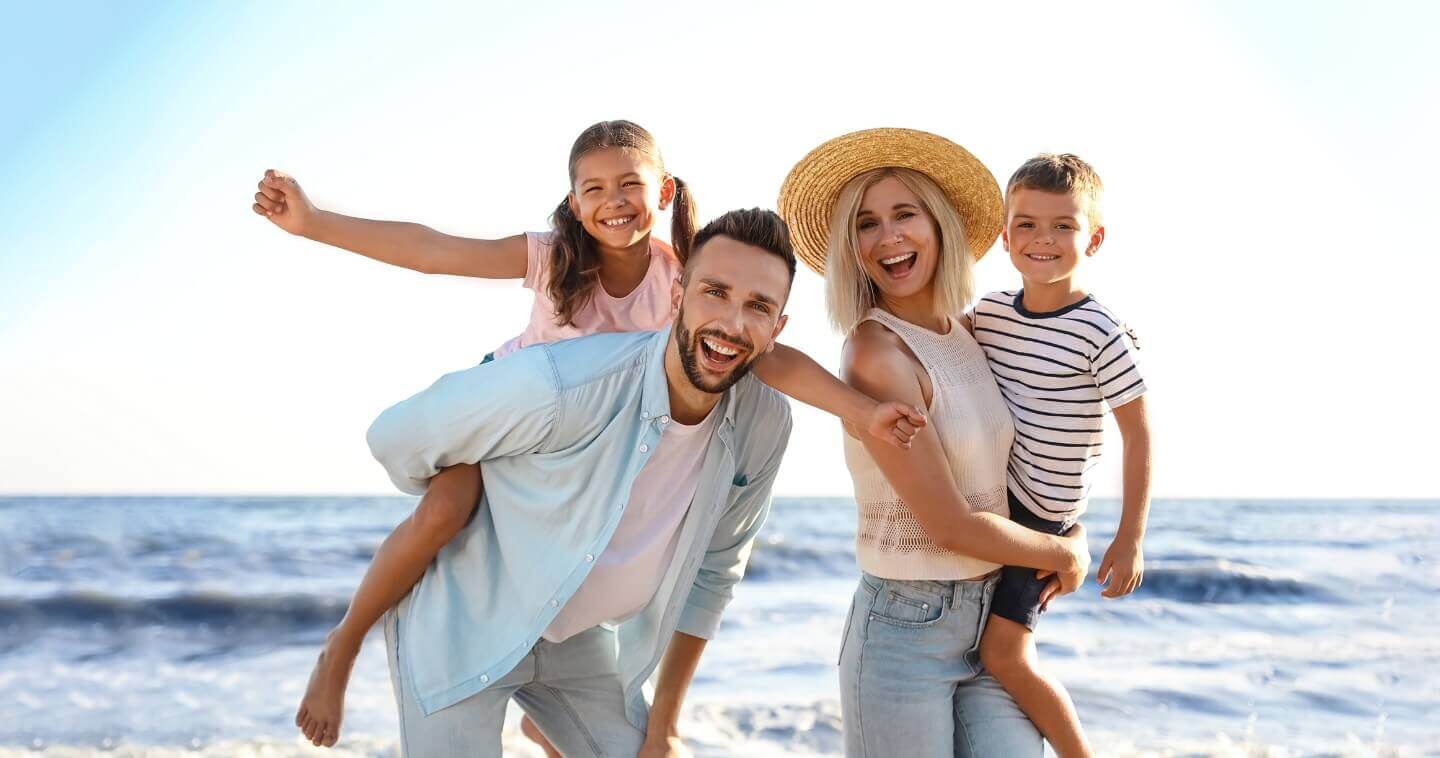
(592, 189)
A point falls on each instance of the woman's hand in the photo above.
(1073, 575)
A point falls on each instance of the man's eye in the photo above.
(713, 291)
(763, 308)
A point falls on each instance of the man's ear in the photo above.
(677, 293)
(1097, 238)
(779, 327)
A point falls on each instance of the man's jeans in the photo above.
(910, 676)
(570, 689)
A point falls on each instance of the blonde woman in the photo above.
(894, 219)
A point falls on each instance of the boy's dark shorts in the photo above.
(1017, 594)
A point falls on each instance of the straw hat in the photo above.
(811, 190)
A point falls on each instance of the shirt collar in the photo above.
(655, 397)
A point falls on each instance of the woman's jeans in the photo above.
(910, 676)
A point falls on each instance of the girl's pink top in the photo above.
(646, 308)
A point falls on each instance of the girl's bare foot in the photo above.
(528, 728)
(323, 706)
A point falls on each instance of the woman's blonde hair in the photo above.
(849, 294)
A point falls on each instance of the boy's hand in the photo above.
(281, 200)
(1122, 569)
(895, 423)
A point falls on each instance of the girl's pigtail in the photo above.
(574, 265)
(682, 221)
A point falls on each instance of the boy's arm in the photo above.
(799, 376)
(412, 246)
(1123, 567)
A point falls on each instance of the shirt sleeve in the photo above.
(501, 408)
(729, 550)
(1114, 368)
(537, 259)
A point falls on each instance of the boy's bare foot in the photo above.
(323, 706)
(528, 728)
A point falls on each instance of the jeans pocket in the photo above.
(899, 604)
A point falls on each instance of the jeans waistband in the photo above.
(952, 593)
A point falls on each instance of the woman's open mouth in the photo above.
(899, 266)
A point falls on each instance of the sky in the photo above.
(1270, 172)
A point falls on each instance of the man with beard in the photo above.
(626, 476)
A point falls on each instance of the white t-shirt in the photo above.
(629, 570)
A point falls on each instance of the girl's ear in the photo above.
(667, 191)
(574, 204)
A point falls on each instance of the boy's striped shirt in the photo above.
(1060, 372)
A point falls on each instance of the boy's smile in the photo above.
(1046, 234)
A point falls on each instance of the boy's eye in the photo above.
(1024, 225)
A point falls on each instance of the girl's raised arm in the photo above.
(399, 243)
(799, 376)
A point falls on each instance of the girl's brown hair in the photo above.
(574, 261)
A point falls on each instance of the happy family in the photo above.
(593, 489)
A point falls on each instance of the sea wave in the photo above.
(217, 609)
(1222, 581)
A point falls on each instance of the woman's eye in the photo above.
(904, 215)
(865, 225)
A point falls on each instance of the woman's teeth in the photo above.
(898, 264)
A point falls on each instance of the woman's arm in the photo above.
(412, 246)
(799, 376)
(876, 366)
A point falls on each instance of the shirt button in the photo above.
(554, 603)
(644, 448)
(645, 414)
(589, 557)
(484, 678)
(664, 419)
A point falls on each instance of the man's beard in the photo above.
(689, 345)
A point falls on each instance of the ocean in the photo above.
(187, 626)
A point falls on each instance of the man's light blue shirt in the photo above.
(560, 431)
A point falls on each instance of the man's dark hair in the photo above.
(756, 227)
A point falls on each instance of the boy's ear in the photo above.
(574, 204)
(1096, 238)
(667, 191)
(1005, 239)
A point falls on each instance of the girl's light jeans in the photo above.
(910, 676)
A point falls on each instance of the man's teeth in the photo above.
(618, 221)
(896, 259)
(721, 349)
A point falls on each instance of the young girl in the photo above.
(598, 270)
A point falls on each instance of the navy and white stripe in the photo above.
(1060, 372)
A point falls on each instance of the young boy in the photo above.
(1060, 359)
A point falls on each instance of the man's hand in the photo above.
(1070, 579)
(667, 746)
(281, 200)
(895, 423)
(1122, 569)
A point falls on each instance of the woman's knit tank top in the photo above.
(969, 414)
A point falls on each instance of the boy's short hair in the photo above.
(756, 227)
(1063, 174)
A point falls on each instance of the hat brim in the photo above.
(810, 191)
